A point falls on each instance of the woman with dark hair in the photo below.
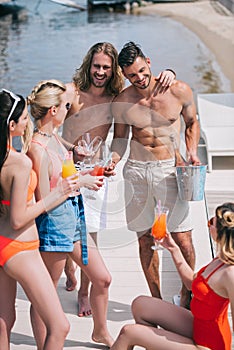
(162, 325)
(19, 254)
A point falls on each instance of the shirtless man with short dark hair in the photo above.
(153, 117)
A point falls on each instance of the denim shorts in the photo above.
(62, 226)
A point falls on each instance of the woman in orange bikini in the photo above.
(206, 326)
(19, 254)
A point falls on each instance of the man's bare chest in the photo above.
(153, 111)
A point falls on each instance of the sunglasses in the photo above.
(16, 100)
(211, 222)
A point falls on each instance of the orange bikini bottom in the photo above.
(10, 247)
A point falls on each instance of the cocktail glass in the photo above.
(159, 228)
(95, 168)
(98, 169)
(95, 144)
(89, 147)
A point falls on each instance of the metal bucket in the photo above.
(191, 182)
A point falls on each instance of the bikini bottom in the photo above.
(10, 247)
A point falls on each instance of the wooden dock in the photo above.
(119, 249)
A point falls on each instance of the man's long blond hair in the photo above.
(82, 79)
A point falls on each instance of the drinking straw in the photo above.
(159, 208)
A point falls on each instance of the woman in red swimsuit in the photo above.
(206, 326)
(19, 254)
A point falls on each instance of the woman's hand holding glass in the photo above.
(69, 186)
(168, 242)
(89, 181)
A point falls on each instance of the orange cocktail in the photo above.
(159, 228)
(98, 170)
(68, 168)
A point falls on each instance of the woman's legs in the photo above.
(156, 312)
(176, 323)
(100, 279)
(7, 308)
(151, 338)
(44, 299)
(54, 263)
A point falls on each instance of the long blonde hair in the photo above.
(45, 94)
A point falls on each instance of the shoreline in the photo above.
(210, 21)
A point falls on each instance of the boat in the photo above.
(9, 7)
(115, 4)
(69, 3)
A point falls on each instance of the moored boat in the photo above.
(9, 6)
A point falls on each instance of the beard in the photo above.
(99, 83)
(147, 82)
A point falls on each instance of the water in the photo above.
(50, 40)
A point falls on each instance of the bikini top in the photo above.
(206, 304)
(56, 161)
(31, 187)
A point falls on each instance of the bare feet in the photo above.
(107, 339)
(84, 308)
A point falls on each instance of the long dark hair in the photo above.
(6, 104)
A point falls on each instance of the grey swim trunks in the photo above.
(145, 184)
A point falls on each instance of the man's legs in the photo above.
(184, 241)
(149, 262)
(70, 270)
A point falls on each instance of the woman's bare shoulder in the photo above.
(20, 162)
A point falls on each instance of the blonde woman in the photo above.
(63, 229)
(162, 325)
(19, 255)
